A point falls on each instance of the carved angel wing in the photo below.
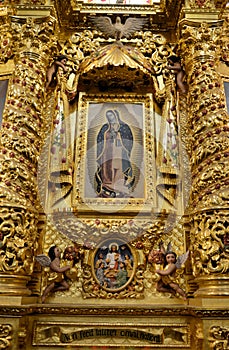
(181, 259)
(43, 259)
(132, 25)
(105, 25)
(162, 248)
(169, 247)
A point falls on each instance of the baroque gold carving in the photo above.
(147, 236)
(209, 237)
(22, 135)
(23, 122)
(5, 335)
(81, 48)
(18, 241)
(6, 42)
(93, 230)
(208, 118)
(218, 337)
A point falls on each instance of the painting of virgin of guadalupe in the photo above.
(114, 176)
(115, 159)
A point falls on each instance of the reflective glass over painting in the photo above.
(115, 151)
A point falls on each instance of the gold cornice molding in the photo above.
(201, 15)
(196, 24)
(22, 20)
(92, 310)
(33, 11)
(124, 9)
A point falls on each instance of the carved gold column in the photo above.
(22, 136)
(200, 48)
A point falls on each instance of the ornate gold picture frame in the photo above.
(115, 167)
(114, 265)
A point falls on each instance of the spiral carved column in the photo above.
(22, 135)
(209, 156)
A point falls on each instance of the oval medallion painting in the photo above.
(113, 265)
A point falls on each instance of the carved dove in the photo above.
(119, 30)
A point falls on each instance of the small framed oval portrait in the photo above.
(114, 265)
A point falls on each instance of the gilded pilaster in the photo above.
(200, 46)
(22, 135)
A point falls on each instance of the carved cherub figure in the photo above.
(57, 278)
(52, 71)
(168, 282)
(175, 65)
